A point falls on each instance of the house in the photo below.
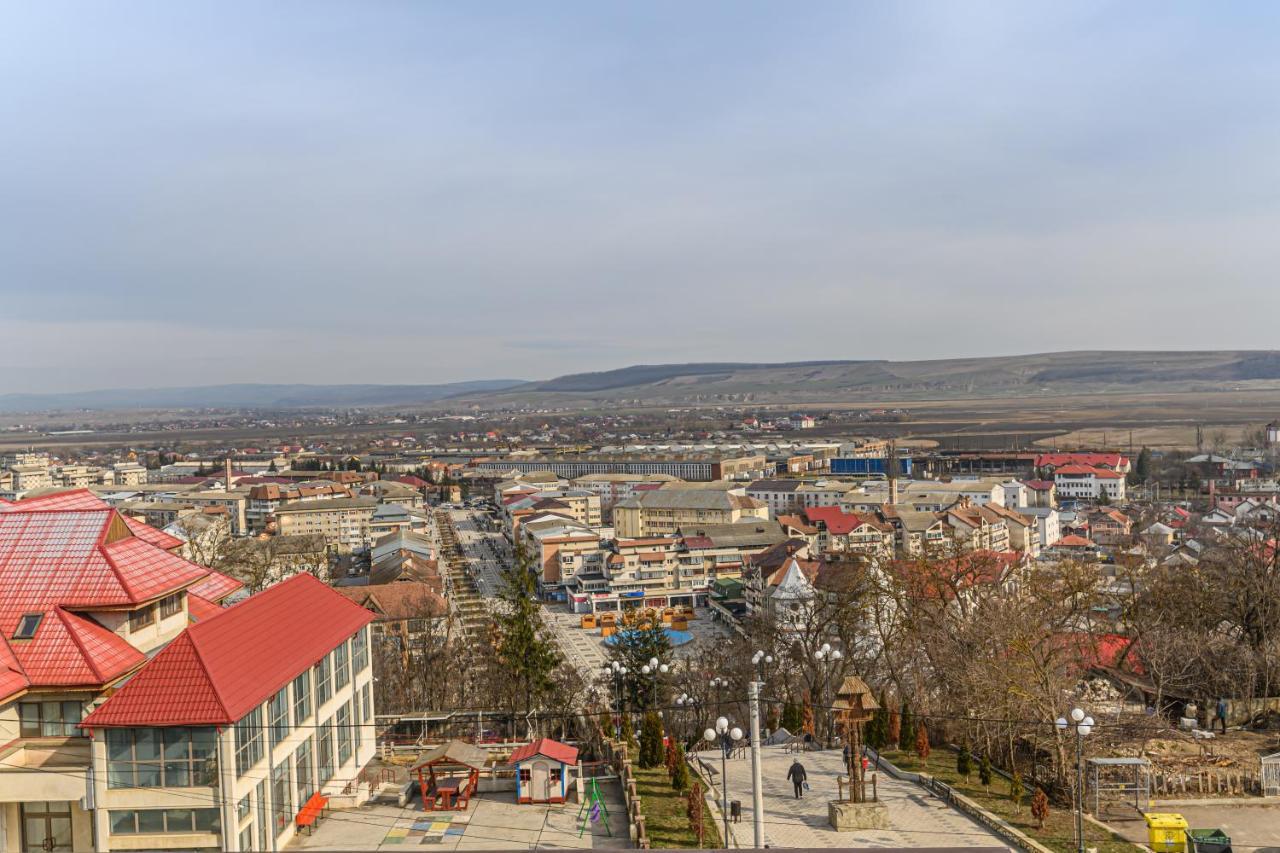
(1110, 527)
(542, 770)
(403, 611)
(848, 533)
(246, 737)
(87, 596)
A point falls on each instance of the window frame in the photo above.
(249, 747)
(171, 605)
(279, 715)
(192, 825)
(136, 616)
(302, 698)
(323, 678)
(69, 728)
(34, 620)
(162, 765)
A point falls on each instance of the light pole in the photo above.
(618, 672)
(656, 669)
(1082, 725)
(718, 684)
(761, 661)
(828, 659)
(722, 731)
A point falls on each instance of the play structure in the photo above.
(542, 770)
(593, 808)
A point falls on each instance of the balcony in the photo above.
(44, 769)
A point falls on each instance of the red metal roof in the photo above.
(837, 521)
(199, 609)
(548, 748)
(215, 672)
(151, 535)
(61, 554)
(215, 587)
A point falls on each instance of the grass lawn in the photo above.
(665, 809)
(1059, 831)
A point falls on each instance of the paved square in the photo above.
(917, 818)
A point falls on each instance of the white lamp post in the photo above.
(722, 731)
(828, 659)
(1082, 724)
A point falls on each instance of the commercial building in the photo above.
(1085, 482)
(690, 467)
(663, 512)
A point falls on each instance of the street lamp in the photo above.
(723, 732)
(656, 669)
(618, 672)
(828, 659)
(1082, 725)
(689, 704)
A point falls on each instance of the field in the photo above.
(665, 815)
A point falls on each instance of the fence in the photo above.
(1218, 781)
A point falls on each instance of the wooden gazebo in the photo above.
(447, 790)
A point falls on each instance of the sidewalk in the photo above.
(917, 819)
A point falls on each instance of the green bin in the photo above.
(1208, 841)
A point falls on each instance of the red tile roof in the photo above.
(151, 535)
(1074, 541)
(837, 521)
(545, 746)
(199, 609)
(215, 672)
(1055, 460)
(216, 586)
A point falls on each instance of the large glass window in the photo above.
(344, 734)
(302, 772)
(248, 741)
(302, 698)
(278, 714)
(171, 605)
(141, 618)
(156, 758)
(360, 651)
(324, 763)
(281, 802)
(341, 667)
(50, 719)
(143, 821)
(324, 686)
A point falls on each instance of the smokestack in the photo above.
(228, 472)
(892, 469)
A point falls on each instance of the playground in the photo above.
(494, 821)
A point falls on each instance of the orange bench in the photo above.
(313, 811)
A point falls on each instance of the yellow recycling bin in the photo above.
(1166, 832)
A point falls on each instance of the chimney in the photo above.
(892, 469)
(228, 472)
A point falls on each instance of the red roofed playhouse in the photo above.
(542, 770)
(149, 716)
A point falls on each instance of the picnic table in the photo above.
(446, 790)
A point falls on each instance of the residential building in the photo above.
(345, 523)
(662, 512)
(128, 474)
(1084, 482)
(246, 738)
(265, 498)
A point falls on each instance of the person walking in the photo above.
(797, 775)
(1220, 714)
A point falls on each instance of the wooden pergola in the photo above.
(449, 758)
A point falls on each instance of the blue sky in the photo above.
(194, 193)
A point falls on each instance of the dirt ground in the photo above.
(1253, 828)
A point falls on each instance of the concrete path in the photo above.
(917, 819)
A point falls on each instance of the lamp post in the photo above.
(618, 672)
(761, 662)
(722, 731)
(655, 669)
(828, 659)
(1082, 725)
(691, 704)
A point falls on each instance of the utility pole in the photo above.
(757, 784)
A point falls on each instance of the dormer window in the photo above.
(27, 626)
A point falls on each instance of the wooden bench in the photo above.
(312, 812)
(464, 796)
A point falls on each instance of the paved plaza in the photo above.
(917, 818)
(492, 822)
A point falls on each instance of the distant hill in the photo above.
(251, 396)
(1085, 372)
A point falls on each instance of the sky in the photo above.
(401, 192)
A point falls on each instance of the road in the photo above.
(485, 551)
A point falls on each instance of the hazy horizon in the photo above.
(400, 193)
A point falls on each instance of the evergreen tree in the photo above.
(984, 773)
(922, 743)
(877, 732)
(528, 658)
(628, 735)
(894, 733)
(1040, 807)
(907, 729)
(1016, 791)
(792, 718)
(1142, 466)
(651, 741)
(680, 776)
(964, 763)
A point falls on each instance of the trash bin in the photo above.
(735, 810)
(1208, 841)
(1166, 832)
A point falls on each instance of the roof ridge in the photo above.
(101, 547)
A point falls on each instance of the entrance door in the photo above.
(540, 782)
(46, 826)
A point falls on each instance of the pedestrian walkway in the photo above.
(916, 818)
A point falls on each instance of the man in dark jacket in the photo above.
(797, 776)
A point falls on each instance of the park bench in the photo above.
(312, 812)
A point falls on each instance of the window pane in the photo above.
(119, 744)
(147, 775)
(208, 820)
(150, 820)
(146, 744)
(177, 820)
(177, 743)
(204, 742)
(177, 774)
(122, 823)
(30, 712)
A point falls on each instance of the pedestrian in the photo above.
(1220, 715)
(797, 776)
